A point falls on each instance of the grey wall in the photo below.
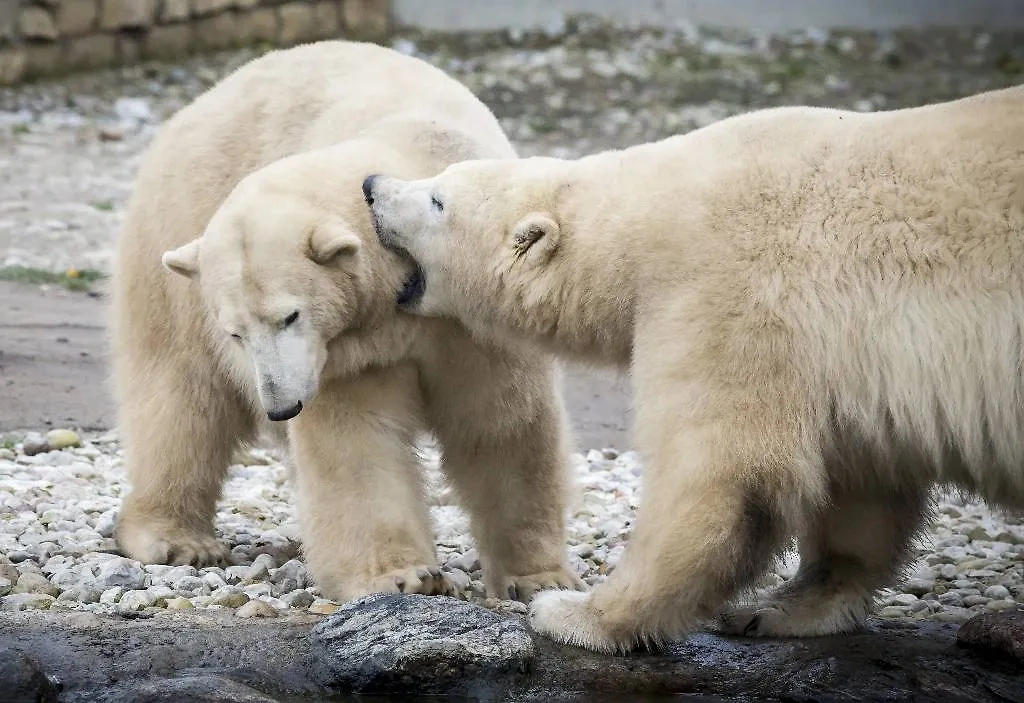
(777, 15)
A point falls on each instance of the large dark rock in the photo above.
(408, 645)
(418, 643)
(995, 632)
(22, 679)
(174, 656)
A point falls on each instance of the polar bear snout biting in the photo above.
(821, 312)
(415, 284)
(412, 219)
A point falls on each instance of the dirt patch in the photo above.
(53, 370)
(52, 359)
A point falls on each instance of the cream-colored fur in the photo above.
(823, 312)
(253, 193)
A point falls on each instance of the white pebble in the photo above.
(256, 609)
(136, 600)
(997, 592)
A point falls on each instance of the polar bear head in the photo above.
(481, 233)
(493, 244)
(282, 271)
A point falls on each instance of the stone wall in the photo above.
(47, 37)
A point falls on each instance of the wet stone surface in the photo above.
(417, 645)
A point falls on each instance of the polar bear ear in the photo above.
(535, 238)
(328, 242)
(184, 260)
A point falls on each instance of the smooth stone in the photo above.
(298, 599)
(179, 603)
(256, 609)
(1001, 632)
(62, 439)
(35, 583)
(995, 606)
(322, 606)
(997, 592)
(26, 601)
(229, 599)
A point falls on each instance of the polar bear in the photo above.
(823, 314)
(281, 312)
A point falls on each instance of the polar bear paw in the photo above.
(524, 588)
(425, 580)
(569, 618)
(158, 543)
(768, 620)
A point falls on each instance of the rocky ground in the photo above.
(59, 505)
(68, 151)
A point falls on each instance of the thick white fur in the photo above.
(823, 312)
(252, 194)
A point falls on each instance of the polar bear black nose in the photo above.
(281, 415)
(368, 188)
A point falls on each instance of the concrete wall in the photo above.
(772, 15)
(49, 37)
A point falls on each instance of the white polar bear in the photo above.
(823, 312)
(285, 309)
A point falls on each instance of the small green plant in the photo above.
(1009, 65)
(543, 125)
(7, 444)
(72, 279)
(104, 205)
(21, 128)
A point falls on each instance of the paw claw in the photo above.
(525, 588)
(426, 580)
(159, 543)
(751, 626)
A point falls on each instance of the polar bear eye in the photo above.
(291, 318)
(236, 337)
(438, 205)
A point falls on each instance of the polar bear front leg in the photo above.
(854, 546)
(715, 508)
(503, 434)
(365, 525)
(516, 503)
(179, 428)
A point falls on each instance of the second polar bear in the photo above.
(251, 194)
(823, 312)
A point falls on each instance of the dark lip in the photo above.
(415, 285)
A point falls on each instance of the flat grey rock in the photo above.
(405, 646)
(431, 644)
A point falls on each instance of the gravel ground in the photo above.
(58, 511)
(68, 152)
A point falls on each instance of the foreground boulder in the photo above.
(389, 644)
(992, 634)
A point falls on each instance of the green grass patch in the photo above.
(72, 279)
(543, 125)
(104, 205)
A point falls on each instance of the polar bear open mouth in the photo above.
(416, 283)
